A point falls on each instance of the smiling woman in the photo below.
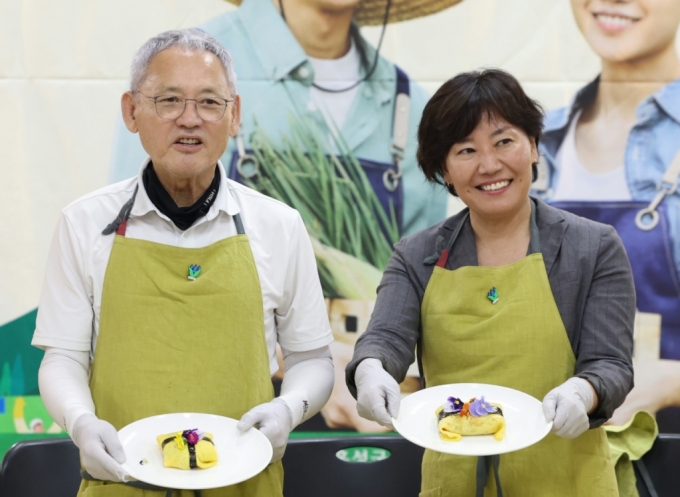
(487, 154)
(550, 330)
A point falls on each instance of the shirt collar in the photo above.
(224, 202)
(668, 98)
(277, 48)
(582, 98)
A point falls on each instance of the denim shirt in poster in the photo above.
(653, 142)
(274, 78)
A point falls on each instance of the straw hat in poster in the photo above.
(372, 12)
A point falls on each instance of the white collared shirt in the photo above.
(294, 310)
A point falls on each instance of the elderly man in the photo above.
(168, 292)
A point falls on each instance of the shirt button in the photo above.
(303, 72)
(367, 92)
(311, 106)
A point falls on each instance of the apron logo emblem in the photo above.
(492, 295)
(194, 271)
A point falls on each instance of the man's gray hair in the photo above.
(191, 39)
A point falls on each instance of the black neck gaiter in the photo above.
(182, 217)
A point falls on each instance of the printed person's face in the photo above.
(333, 6)
(491, 168)
(327, 6)
(627, 30)
(186, 146)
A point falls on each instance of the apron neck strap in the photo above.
(535, 240)
(239, 224)
(402, 107)
(119, 225)
(534, 243)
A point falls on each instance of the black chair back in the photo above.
(41, 468)
(332, 467)
(342, 466)
(661, 465)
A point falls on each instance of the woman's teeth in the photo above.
(189, 141)
(495, 186)
(614, 20)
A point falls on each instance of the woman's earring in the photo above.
(451, 189)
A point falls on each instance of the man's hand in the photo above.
(274, 420)
(101, 453)
(378, 394)
(568, 405)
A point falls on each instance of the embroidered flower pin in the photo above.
(493, 295)
(194, 271)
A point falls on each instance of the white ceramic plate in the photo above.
(524, 419)
(240, 456)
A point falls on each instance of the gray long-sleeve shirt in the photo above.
(590, 279)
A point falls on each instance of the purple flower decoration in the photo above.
(453, 404)
(191, 436)
(481, 407)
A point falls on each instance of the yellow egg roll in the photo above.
(452, 426)
(202, 455)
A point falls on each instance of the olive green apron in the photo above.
(171, 344)
(520, 342)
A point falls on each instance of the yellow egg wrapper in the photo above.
(453, 428)
(176, 455)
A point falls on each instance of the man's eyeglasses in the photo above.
(171, 107)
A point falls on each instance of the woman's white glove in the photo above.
(378, 394)
(274, 420)
(101, 452)
(568, 405)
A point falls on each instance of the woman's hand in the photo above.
(657, 385)
(378, 394)
(341, 409)
(568, 405)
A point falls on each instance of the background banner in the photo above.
(64, 66)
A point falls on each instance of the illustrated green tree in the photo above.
(18, 382)
(5, 381)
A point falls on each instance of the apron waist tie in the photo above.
(484, 464)
(138, 484)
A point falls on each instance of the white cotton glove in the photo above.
(101, 453)
(567, 406)
(378, 394)
(274, 420)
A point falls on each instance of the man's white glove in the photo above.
(567, 406)
(101, 453)
(378, 394)
(274, 420)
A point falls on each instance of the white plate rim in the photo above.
(408, 435)
(130, 467)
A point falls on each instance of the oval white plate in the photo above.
(240, 456)
(524, 419)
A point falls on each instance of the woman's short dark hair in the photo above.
(456, 108)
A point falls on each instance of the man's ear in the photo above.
(235, 116)
(129, 104)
